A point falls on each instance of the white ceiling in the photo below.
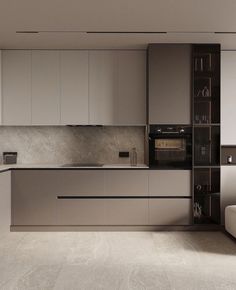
(115, 15)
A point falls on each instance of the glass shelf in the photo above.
(206, 133)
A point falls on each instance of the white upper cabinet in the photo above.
(117, 87)
(102, 87)
(16, 87)
(74, 87)
(131, 95)
(45, 87)
(228, 97)
(70, 87)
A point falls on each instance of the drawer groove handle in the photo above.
(119, 197)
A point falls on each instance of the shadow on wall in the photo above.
(62, 144)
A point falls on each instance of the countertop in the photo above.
(6, 167)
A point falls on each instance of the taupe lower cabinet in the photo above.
(170, 183)
(93, 197)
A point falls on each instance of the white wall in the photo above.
(228, 97)
(0, 87)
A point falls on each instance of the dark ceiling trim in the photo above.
(225, 32)
(92, 32)
(126, 32)
(123, 32)
(26, 31)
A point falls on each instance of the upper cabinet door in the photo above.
(102, 87)
(228, 97)
(169, 84)
(117, 87)
(16, 87)
(131, 98)
(45, 87)
(74, 87)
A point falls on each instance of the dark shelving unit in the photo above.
(206, 133)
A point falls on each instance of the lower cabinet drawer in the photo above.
(170, 211)
(81, 212)
(127, 212)
(103, 211)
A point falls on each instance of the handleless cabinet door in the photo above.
(169, 84)
(126, 182)
(124, 186)
(174, 211)
(58, 197)
(79, 212)
(74, 87)
(16, 87)
(127, 212)
(170, 182)
(102, 87)
(228, 97)
(78, 182)
(45, 87)
(34, 200)
(131, 97)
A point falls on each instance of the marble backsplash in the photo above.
(62, 144)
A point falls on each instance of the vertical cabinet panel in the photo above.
(102, 87)
(16, 87)
(74, 87)
(131, 97)
(45, 88)
(5, 204)
(228, 99)
(170, 182)
(169, 84)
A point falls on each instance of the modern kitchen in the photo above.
(118, 147)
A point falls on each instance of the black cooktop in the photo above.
(83, 165)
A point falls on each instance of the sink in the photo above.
(82, 165)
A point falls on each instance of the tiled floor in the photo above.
(117, 260)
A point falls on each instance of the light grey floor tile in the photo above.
(117, 260)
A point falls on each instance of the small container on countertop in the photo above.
(9, 157)
(133, 157)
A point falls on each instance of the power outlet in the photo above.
(123, 154)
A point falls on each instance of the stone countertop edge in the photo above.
(6, 167)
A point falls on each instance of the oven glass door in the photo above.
(170, 152)
(167, 149)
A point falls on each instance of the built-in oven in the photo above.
(170, 146)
